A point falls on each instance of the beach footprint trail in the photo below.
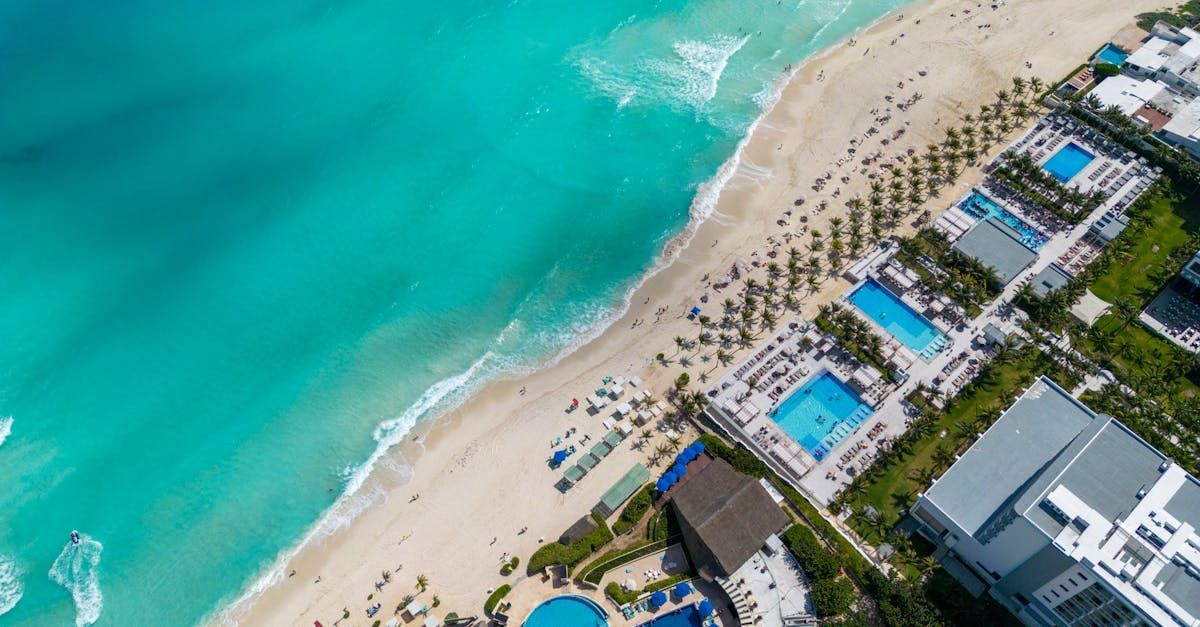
(77, 568)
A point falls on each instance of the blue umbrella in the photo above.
(662, 485)
(679, 468)
(699, 446)
(672, 477)
(706, 608)
(688, 455)
(682, 589)
(658, 599)
(559, 457)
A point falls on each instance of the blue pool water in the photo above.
(567, 610)
(897, 318)
(982, 207)
(1068, 161)
(686, 616)
(821, 414)
(1112, 54)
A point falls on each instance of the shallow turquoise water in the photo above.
(244, 243)
(895, 316)
(566, 610)
(813, 413)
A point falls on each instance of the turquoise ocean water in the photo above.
(246, 245)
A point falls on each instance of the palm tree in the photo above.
(386, 576)
(646, 435)
(673, 443)
(1018, 85)
(422, 582)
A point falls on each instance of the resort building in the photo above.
(1051, 278)
(997, 246)
(1067, 517)
(1184, 128)
(1128, 94)
(727, 517)
(1170, 56)
(1191, 270)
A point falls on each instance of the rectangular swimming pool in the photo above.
(1112, 54)
(897, 318)
(1067, 162)
(821, 413)
(979, 206)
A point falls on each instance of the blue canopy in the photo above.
(682, 589)
(697, 446)
(658, 599)
(559, 456)
(672, 477)
(695, 311)
(662, 485)
(706, 608)
(679, 468)
(687, 455)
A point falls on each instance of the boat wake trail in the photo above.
(77, 568)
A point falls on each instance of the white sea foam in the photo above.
(11, 587)
(5, 430)
(77, 568)
(587, 325)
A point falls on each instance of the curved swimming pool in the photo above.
(568, 609)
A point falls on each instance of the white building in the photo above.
(1191, 270)
(1067, 517)
(1170, 55)
(1127, 93)
(1183, 129)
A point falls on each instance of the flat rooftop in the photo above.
(997, 246)
(1009, 455)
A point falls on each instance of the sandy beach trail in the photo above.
(481, 471)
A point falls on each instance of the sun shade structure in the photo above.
(574, 474)
(726, 518)
(601, 450)
(624, 488)
(658, 599)
(682, 589)
(706, 608)
(588, 461)
(612, 439)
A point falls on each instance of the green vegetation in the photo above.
(855, 336)
(900, 603)
(663, 525)
(634, 510)
(510, 566)
(571, 554)
(929, 447)
(831, 593)
(1185, 15)
(965, 280)
(621, 597)
(594, 571)
(1022, 174)
(1107, 69)
(489, 606)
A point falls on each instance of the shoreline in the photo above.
(433, 449)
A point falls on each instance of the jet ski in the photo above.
(74, 537)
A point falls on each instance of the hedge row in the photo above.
(571, 554)
(510, 566)
(634, 510)
(831, 594)
(594, 571)
(621, 597)
(900, 603)
(489, 606)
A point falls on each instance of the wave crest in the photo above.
(5, 430)
(11, 588)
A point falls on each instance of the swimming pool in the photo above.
(979, 206)
(897, 318)
(686, 616)
(567, 609)
(821, 413)
(1112, 54)
(1068, 161)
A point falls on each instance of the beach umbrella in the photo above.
(706, 608)
(560, 456)
(682, 589)
(662, 485)
(658, 599)
(697, 446)
(671, 477)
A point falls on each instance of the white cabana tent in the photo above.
(624, 409)
(617, 390)
(625, 428)
(432, 621)
(636, 382)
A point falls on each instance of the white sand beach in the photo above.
(481, 472)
